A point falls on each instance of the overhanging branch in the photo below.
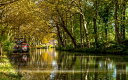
(6, 3)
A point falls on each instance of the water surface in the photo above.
(49, 64)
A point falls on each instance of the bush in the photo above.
(8, 46)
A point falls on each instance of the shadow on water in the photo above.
(49, 64)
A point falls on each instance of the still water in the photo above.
(49, 64)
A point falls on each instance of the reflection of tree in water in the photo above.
(42, 58)
(89, 67)
(20, 59)
(65, 62)
(48, 62)
(94, 67)
(121, 71)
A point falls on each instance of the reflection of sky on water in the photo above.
(114, 73)
(101, 64)
(55, 68)
(92, 66)
(49, 57)
(110, 65)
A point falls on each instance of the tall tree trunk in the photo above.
(1, 50)
(117, 34)
(95, 24)
(81, 33)
(63, 25)
(106, 32)
(123, 22)
(83, 25)
(59, 36)
(69, 34)
(95, 32)
(72, 24)
(86, 33)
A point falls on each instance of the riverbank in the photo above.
(7, 71)
(116, 49)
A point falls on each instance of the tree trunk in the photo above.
(1, 51)
(106, 32)
(95, 32)
(62, 24)
(81, 35)
(86, 33)
(69, 34)
(95, 25)
(123, 20)
(59, 36)
(117, 35)
(72, 24)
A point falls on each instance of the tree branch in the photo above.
(6, 3)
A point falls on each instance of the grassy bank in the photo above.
(7, 71)
(110, 48)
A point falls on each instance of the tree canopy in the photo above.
(76, 23)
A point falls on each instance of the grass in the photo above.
(7, 72)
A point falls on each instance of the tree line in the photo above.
(88, 23)
(74, 23)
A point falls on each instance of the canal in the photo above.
(49, 64)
